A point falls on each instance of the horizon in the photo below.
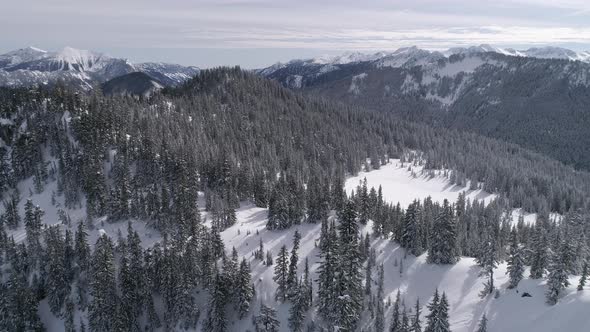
(258, 33)
(327, 54)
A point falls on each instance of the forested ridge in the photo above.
(237, 137)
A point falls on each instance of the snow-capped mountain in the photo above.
(80, 68)
(475, 88)
(414, 56)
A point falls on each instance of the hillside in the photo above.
(536, 100)
(155, 192)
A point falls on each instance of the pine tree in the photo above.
(266, 320)
(81, 247)
(558, 276)
(216, 320)
(368, 279)
(245, 290)
(483, 324)
(33, 225)
(306, 287)
(58, 285)
(396, 323)
(293, 261)
(281, 274)
(442, 243)
(69, 325)
(405, 321)
(380, 312)
(411, 230)
(416, 324)
(515, 269)
(349, 300)
(297, 310)
(488, 261)
(103, 286)
(327, 271)
(540, 245)
(583, 277)
(433, 313)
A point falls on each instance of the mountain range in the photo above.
(536, 98)
(81, 69)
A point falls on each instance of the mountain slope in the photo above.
(165, 187)
(537, 103)
(137, 83)
(80, 68)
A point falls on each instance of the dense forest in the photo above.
(237, 137)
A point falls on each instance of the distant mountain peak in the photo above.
(80, 68)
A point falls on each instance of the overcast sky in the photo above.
(257, 33)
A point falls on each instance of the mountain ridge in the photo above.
(80, 69)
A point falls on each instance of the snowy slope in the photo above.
(417, 279)
(510, 312)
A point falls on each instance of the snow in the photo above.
(509, 312)
(403, 186)
(354, 83)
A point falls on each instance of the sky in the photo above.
(258, 33)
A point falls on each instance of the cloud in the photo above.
(287, 24)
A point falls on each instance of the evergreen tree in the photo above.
(558, 276)
(433, 313)
(442, 243)
(327, 272)
(411, 230)
(281, 274)
(515, 269)
(488, 261)
(69, 325)
(380, 312)
(583, 277)
(102, 286)
(245, 290)
(58, 284)
(266, 320)
(349, 300)
(396, 322)
(297, 310)
(218, 298)
(540, 245)
(483, 324)
(293, 261)
(416, 324)
(306, 287)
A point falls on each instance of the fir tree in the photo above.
(515, 269)
(102, 287)
(293, 261)
(558, 276)
(266, 320)
(583, 277)
(483, 324)
(442, 243)
(281, 274)
(216, 320)
(396, 322)
(297, 310)
(245, 290)
(416, 324)
(380, 312)
(349, 284)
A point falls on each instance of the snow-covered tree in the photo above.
(266, 320)
(516, 263)
(281, 274)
